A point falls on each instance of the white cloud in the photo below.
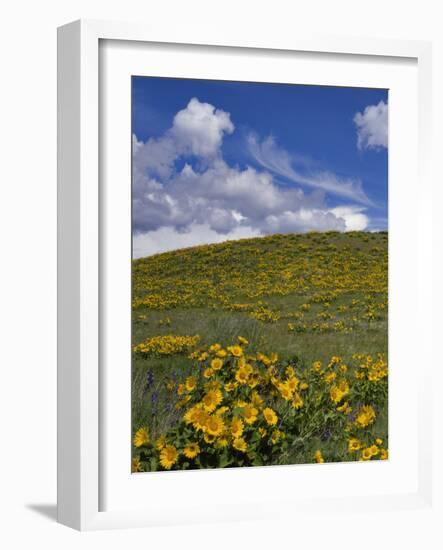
(167, 238)
(304, 220)
(209, 201)
(279, 162)
(352, 216)
(199, 128)
(196, 130)
(372, 127)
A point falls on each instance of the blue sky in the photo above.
(214, 160)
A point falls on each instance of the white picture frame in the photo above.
(80, 410)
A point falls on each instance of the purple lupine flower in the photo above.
(149, 379)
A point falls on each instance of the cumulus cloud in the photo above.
(199, 129)
(184, 192)
(353, 217)
(372, 127)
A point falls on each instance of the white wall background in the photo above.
(28, 251)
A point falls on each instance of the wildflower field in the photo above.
(262, 351)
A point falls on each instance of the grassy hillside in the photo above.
(306, 296)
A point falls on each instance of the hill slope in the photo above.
(311, 284)
(303, 297)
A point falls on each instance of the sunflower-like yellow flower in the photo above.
(262, 432)
(191, 450)
(207, 373)
(297, 402)
(141, 437)
(249, 413)
(335, 360)
(136, 465)
(222, 442)
(374, 450)
(216, 364)
(316, 366)
(285, 391)
(242, 375)
(330, 377)
(199, 419)
(384, 455)
(209, 438)
(236, 351)
(212, 385)
(240, 444)
(221, 353)
(354, 444)
(212, 399)
(190, 415)
(365, 416)
(339, 391)
(292, 383)
(215, 425)
(237, 427)
(318, 457)
(243, 341)
(270, 416)
(273, 358)
(256, 400)
(168, 456)
(230, 386)
(190, 383)
(366, 454)
(254, 379)
(276, 436)
(290, 372)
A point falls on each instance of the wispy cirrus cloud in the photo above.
(280, 162)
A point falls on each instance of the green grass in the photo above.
(195, 291)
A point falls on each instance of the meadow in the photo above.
(261, 351)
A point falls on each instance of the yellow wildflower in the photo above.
(366, 454)
(212, 399)
(318, 457)
(236, 351)
(240, 444)
(190, 383)
(215, 425)
(297, 402)
(249, 414)
(270, 416)
(168, 456)
(354, 444)
(365, 416)
(191, 450)
(216, 364)
(141, 437)
(237, 427)
(384, 455)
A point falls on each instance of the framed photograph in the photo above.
(240, 226)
